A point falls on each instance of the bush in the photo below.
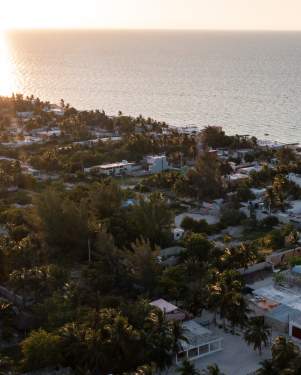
(274, 240)
(232, 217)
(295, 261)
(269, 222)
(244, 194)
(196, 226)
(41, 349)
(249, 158)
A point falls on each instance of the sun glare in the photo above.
(7, 79)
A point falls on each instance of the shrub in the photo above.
(41, 349)
(269, 222)
(196, 226)
(295, 261)
(232, 217)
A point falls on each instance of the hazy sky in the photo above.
(158, 14)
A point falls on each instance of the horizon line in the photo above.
(24, 29)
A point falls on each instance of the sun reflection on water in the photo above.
(7, 76)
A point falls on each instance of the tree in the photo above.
(143, 268)
(38, 282)
(205, 179)
(198, 248)
(178, 334)
(41, 349)
(160, 339)
(267, 368)
(225, 297)
(214, 370)
(231, 217)
(187, 368)
(214, 136)
(7, 316)
(106, 275)
(6, 365)
(257, 333)
(105, 198)
(284, 352)
(196, 226)
(64, 224)
(153, 219)
(286, 359)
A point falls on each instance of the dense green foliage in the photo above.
(82, 265)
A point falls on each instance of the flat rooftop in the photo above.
(114, 165)
(282, 296)
(196, 335)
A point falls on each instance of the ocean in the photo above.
(246, 82)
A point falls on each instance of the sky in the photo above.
(152, 14)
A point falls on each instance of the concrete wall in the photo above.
(255, 268)
(277, 258)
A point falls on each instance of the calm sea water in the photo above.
(249, 83)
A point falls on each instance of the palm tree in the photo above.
(178, 333)
(214, 370)
(257, 333)
(269, 200)
(283, 352)
(187, 368)
(227, 299)
(160, 337)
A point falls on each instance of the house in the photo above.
(296, 178)
(25, 115)
(170, 311)
(156, 163)
(236, 178)
(269, 144)
(248, 170)
(188, 130)
(283, 257)
(55, 109)
(113, 169)
(199, 342)
(178, 234)
(240, 153)
(280, 303)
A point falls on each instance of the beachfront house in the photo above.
(156, 163)
(199, 342)
(113, 169)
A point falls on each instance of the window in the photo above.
(193, 353)
(203, 349)
(296, 332)
(214, 346)
(181, 356)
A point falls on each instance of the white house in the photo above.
(296, 178)
(199, 342)
(178, 234)
(113, 169)
(157, 163)
(25, 115)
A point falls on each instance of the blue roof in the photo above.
(297, 269)
(284, 313)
